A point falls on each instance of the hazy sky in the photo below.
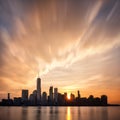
(74, 44)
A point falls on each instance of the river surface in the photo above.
(59, 113)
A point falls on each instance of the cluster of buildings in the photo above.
(53, 99)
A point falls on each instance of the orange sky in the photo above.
(74, 45)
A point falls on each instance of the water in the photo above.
(59, 113)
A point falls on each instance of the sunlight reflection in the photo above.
(68, 113)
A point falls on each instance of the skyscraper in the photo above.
(8, 96)
(44, 98)
(38, 91)
(78, 94)
(24, 96)
(55, 95)
(51, 93)
(33, 98)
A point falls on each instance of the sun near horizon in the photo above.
(68, 96)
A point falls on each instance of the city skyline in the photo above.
(54, 98)
(74, 45)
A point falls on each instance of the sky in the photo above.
(72, 44)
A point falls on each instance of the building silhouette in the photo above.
(44, 98)
(38, 91)
(55, 95)
(33, 98)
(51, 95)
(8, 96)
(24, 96)
(104, 99)
(79, 94)
(17, 101)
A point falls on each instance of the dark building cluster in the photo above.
(53, 99)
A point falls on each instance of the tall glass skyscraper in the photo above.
(38, 91)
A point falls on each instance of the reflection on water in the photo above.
(68, 113)
(38, 113)
(59, 113)
(24, 112)
(104, 113)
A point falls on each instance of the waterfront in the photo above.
(59, 113)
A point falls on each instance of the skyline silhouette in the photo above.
(54, 98)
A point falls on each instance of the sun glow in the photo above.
(68, 96)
